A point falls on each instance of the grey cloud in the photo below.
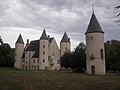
(58, 16)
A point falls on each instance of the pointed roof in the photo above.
(34, 46)
(20, 39)
(44, 36)
(94, 25)
(65, 38)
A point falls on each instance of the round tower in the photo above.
(65, 45)
(43, 50)
(95, 52)
(19, 49)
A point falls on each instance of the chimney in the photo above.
(27, 41)
(48, 36)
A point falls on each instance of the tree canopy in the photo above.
(6, 55)
(113, 55)
(75, 60)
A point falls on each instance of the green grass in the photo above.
(11, 79)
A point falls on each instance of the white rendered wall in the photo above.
(19, 49)
(63, 46)
(95, 42)
(34, 64)
(28, 59)
(55, 55)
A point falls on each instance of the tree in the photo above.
(75, 60)
(113, 55)
(118, 14)
(79, 57)
(6, 55)
(66, 59)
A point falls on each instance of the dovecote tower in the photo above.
(95, 52)
(65, 44)
(19, 49)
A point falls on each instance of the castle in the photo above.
(45, 54)
(41, 54)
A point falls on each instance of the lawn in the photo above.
(11, 79)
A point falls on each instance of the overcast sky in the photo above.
(30, 17)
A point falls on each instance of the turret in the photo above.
(43, 50)
(95, 52)
(65, 44)
(19, 49)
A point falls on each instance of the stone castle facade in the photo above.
(45, 54)
(41, 54)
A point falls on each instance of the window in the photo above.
(26, 68)
(43, 52)
(101, 53)
(43, 46)
(43, 60)
(66, 49)
(38, 61)
(58, 61)
(33, 60)
(38, 67)
(32, 66)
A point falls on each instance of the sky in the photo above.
(30, 17)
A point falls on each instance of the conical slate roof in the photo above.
(65, 38)
(94, 25)
(20, 39)
(44, 36)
